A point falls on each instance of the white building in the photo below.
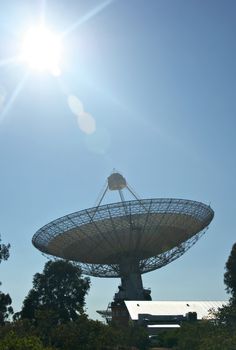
(163, 315)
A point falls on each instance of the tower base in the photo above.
(119, 312)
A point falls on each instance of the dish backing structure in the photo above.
(127, 238)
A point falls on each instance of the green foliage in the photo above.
(133, 336)
(85, 334)
(191, 335)
(167, 339)
(20, 328)
(220, 339)
(58, 294)
(205, 335)
(82, 334)
(230, 274)
(13, 342)
(226, 316)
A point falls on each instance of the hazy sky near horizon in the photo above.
(158, 79)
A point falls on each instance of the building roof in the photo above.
(168, 308)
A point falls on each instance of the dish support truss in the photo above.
(146, 265)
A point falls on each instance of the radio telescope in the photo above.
(127, 238)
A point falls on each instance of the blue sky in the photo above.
(159, 79)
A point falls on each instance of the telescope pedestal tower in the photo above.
(131, 287)
(131, 281)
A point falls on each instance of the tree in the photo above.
(226, 315)
(83, 334)
(13, 342)
(205, 335)
(86, 334)
(5, 307)
(4, 251)
(230, 275)
(5, 300)
(58, 294)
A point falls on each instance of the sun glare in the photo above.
(42, 50)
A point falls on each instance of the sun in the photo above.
(42, 50)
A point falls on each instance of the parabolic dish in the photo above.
(152, 231)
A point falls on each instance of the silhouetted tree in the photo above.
(58, 294)
(5, 300)
(230, 274)
(4, 251)
(5, 307)
(226, 315)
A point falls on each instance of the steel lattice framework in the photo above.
(153, 232)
